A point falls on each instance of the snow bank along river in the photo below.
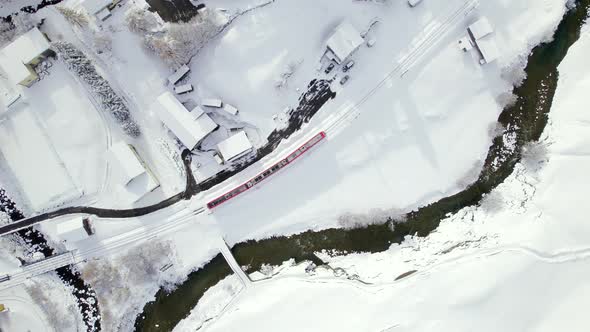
(524, 122)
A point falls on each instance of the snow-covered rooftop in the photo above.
(138, 181)
(481, 28)
(211, 102)
(95, 6)
(234, 146)
(345, 40)
(127, 161)
(21, 52)
(71, 230)
(178, 74)
(488, 48)
(189, 129)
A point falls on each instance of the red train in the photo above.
(268, 172)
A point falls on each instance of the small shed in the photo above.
(178, 74)
(344, 41)
(231, 109)
(183, 88)
(235, 147)
(190, 128)
(18, 58)
(71, 230)
(211, 102)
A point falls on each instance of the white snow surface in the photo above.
(515, 263)
(404, 142)
(53, 142)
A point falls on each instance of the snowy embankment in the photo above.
(512, 264)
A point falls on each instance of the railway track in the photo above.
(108, 247)
(407, 61)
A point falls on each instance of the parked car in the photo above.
(414, 3)
(371, 42)
(329, 68)
(348, 65)
(344, 79)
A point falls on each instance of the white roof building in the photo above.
(344, 41)
(481, 28)
(183, 88)
(71, 230)
(17, 57)
(190, 127)
(230, 109)
(212, 102)
(486, 44)
(235, 146)
(178, 74)
(136, 178)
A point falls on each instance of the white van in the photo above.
(414, 3)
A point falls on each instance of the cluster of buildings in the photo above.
(191, 127)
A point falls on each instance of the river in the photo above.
(526, 118)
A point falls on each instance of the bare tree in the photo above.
(57, 314)
(139, 20)
(119, 282)
(75, 17)
(291, 68)
(7, 32)
(182, 41)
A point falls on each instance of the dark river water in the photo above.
(526, 118)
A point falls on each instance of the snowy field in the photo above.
(402, 142)
(513, 264)
(53, 141)
(396, 140)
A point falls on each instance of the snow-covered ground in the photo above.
(410, 140)
(42, 304)
(211, 304)
(403, 142)
(53, 142)
(515, 263)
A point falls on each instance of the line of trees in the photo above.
(78, 62)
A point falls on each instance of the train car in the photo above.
(268, 172)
